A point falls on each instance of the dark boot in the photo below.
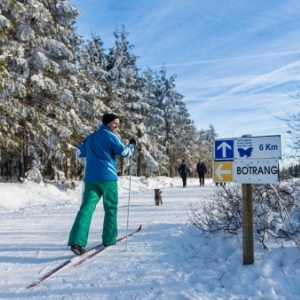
(77, 249)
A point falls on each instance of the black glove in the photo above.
(132, 142)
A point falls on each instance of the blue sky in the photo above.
(238, 61)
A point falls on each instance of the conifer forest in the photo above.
(55, 86)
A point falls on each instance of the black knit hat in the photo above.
(107, 118)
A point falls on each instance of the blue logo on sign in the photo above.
(245, 152)
(224, 149)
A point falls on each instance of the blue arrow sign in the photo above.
(224, 150)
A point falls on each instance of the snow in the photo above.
(166, 260)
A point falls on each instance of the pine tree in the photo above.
(168, 101)
(126, 98)
(93, 81)
(207, 138)
(187, 138)
(38, 82)
(154, 159)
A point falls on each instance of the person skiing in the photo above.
(201, 170)
(184, 172)
(100, 180)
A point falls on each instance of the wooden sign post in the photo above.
(247, 160)
(248, 248)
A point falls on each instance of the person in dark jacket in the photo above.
(100, 180)
(201, 170)
(184, 172)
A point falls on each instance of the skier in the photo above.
(100, 180)
(201, 170)
(184, 172)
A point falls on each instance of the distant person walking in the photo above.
(184, 172)
(100, 180)
(201, 170)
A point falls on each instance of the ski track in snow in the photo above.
(166, 260)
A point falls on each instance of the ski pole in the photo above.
(83, 184)
(128, 199)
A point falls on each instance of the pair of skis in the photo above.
(78, 260)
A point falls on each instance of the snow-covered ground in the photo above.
(166, 260)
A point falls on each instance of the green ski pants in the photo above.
(91, 196)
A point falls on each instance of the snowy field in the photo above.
(166, 260)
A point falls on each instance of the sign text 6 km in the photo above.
(248, 148)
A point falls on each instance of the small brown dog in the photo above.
(157, 196)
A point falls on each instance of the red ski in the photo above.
(78, 259)
(62, 265)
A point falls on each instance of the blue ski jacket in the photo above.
(100, 150)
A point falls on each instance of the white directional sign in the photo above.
(247, 159)
(258, 147)
(256, 171)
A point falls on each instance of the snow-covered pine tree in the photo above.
(207, 138)
(93, 81)
(38, 86)
(126, 99)
(186, 145)
(154, 161)
(170, 102)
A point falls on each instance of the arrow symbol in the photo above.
(220, 172)
(224, 145)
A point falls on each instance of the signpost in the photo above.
(247, 160)
(253, 159)
(247, 224)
